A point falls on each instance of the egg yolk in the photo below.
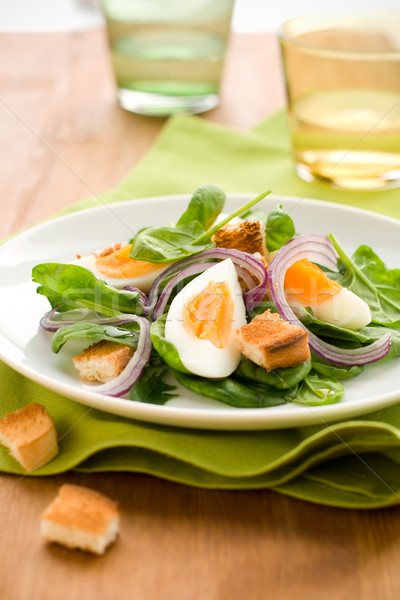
(307, 283)
(208, 316)
(120, 265)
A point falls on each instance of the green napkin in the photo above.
(352, 464)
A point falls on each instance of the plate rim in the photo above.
(239, 419)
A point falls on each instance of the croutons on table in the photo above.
(82, 518)
(30, 435)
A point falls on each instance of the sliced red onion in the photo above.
(318, 249)
(48, 322)
(242, 260)
(143, 301)
(165, 294)
(246, 277)
(134, 368)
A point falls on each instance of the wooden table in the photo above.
(64, 138)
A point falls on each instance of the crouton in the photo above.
(272, 343)
(82, 518)
(30, 435)
(248, 236)
(102, 361)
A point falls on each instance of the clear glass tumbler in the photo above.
(343, 86)
(168, 55)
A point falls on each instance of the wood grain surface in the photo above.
(64, 138)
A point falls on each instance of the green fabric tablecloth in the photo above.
(353, 464)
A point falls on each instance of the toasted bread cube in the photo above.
(272, 342)
(102, 361)
(247, 236)
(80, 517)
(30, 435)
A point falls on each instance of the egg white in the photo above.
(344, 309)
(199, 356)
(143, 282)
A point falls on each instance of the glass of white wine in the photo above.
(343, 86)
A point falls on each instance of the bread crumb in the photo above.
(272, 343)
(107, 251)
(30, 435)
(81, 518)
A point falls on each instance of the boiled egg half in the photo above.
(307, 285)
(118, 269)
(202, 318)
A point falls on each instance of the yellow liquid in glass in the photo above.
(348, 136)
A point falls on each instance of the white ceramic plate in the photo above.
(27, 348)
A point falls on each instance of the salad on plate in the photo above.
(240, 308)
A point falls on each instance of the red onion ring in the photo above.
(188, 272)
(320, 250)
(49, 324)
(241, 260)
(134, 368)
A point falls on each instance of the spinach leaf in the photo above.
(263, 306)
(354, 339)
(235, 393)
(205, 205)
(165, 349)
(375, 332)
(366, 275)
(332, 370)
(72, 286)
(256, 214)
(96, 332)
(152, 388)
(166, 244)
(279, 229)
(334, 332)
(317, 391)
(282, 379)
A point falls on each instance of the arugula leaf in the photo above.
(279, 229)
(72, 286)
(317, 391)
(205, 205)
(233, 392)
(152, 388)
(366, 275)
(96, 332)
(165, 348)
(167, 244)
(282, 379)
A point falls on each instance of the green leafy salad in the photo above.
(239, 308)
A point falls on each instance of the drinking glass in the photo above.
(343, 85)
(168, 55)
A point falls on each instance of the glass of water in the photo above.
(343, 84)
(168, 55)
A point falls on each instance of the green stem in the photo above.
(206, 236)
